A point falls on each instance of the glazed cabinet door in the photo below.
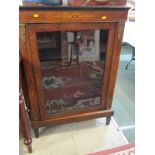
(71, 65)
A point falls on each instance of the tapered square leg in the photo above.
(36, 132)
(108, 120)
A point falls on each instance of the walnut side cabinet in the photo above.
(58, 90)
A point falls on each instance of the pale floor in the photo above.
(77, 138)
(124, 95)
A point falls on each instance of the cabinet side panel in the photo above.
(31, 31)
(115, 62)
(24, 49)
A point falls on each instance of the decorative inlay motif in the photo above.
(23, 32)
(120, 30)
(73, 16)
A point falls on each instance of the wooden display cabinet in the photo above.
(82, 47)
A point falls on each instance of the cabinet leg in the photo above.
(108, 120)
(36, 132)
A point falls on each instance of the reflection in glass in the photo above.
(72, 68)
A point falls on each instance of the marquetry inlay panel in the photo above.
(120, 30)
(73, 16)
(23, 32)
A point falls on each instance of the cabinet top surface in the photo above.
(124, 7)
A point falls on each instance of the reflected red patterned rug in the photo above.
(71, 88)
(128, 149)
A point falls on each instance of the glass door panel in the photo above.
(72, 69)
